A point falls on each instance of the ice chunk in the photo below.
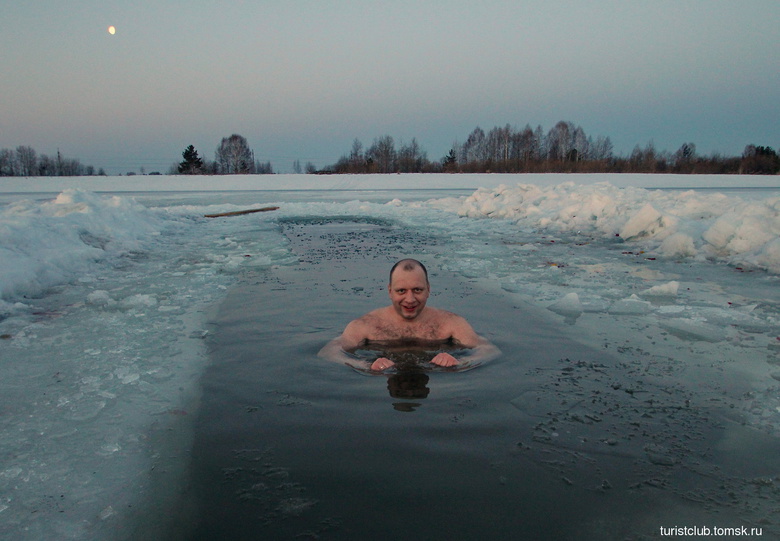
(569, 305)
(632, 306)
(646, 223)
(688, 329)
(678, 245)
(745, 230)
(595, 304)
(663, 290)
(768, 256)
(100, 298)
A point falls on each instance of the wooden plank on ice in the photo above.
(240, 212)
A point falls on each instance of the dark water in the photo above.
(551, 441)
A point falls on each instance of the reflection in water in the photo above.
(408, 385)
(408, 378)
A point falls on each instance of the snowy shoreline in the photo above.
(163, 183)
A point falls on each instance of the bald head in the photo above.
(409, 265)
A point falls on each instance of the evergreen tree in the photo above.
(450, 162)
(192, 164)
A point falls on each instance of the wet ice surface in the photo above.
(658, 381)
(100, 376)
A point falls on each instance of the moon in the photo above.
(111, 30)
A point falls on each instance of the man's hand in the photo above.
(382, 363)
(441, 359)
(444, 359)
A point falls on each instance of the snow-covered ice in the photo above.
(102, 327)
(667, 224)
(103, 302)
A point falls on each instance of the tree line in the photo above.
(24, 161)
(232, 156)
(564, 148)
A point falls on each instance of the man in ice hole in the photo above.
(409, 318)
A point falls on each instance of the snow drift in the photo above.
(670, 224)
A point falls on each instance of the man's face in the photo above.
(408, 292)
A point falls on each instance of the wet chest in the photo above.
(423, 331)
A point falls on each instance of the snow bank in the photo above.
(669, 224)
(50, 243)
(102, 344)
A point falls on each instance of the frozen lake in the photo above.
(150, 355)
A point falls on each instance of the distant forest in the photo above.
(564, 148)
(25, 162)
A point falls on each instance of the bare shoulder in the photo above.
(458, 327)
(445, 317)
(370, 320)
(362, 328)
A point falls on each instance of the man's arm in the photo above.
(482, 350)
(338, 350)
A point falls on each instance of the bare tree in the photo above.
(526, 147)
(71, 168)
(473, 150)
(27, 161)
(382, 153)
(684, 157)
(579, 144)
(497, 144)
(540, 143)
(7, 163)
(47, 167)
(411, 158)
(559, 140)
(356, 161)
(234, 156)
(601, 149)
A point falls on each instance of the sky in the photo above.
(301, 79)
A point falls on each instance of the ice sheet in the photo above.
(102, 343)
(102, 301)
